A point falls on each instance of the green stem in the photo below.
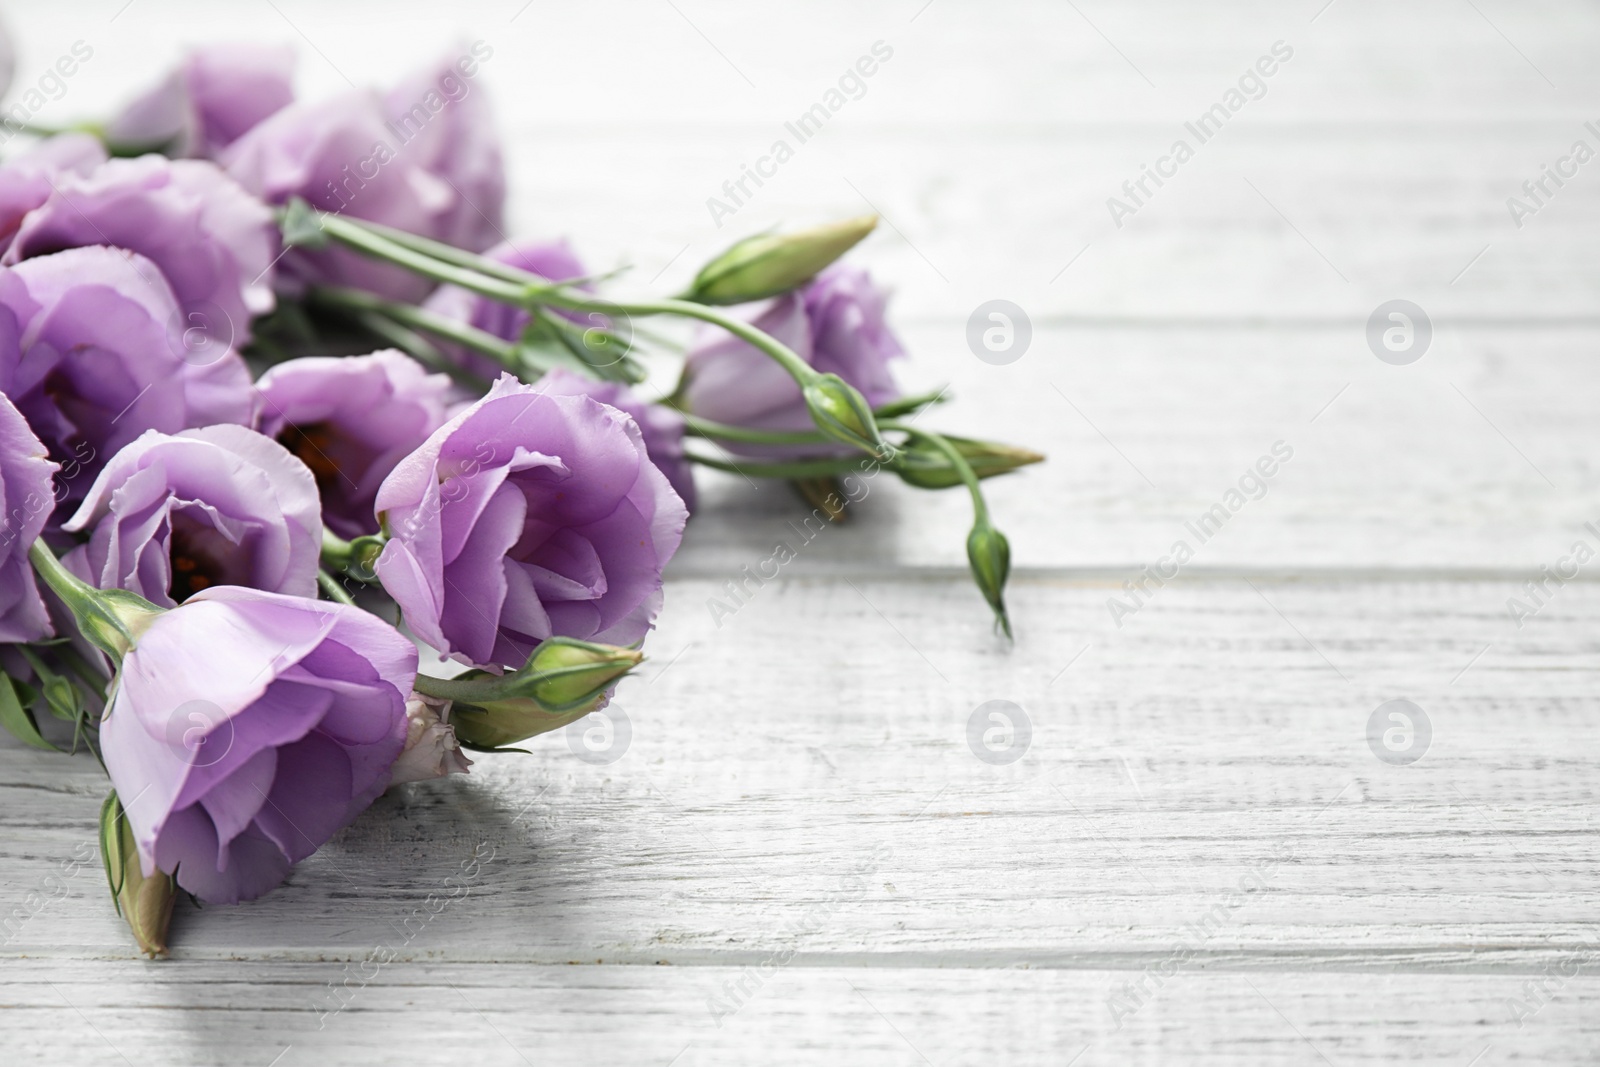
(419, 348)
(460, 257)
(92, 607)
(498, 281)
(699, 427)
(408, 315)
(476, 279)
(785, 357)
(336, 592)
(479, 275)
(818, 468)
(980, 508)
(519, 361)
(335, 550)
(463, 689)
(31, 129)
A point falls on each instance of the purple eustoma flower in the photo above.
(552, 260)
(526, 516)
(835, 323)
(215, 96)
(555, 260)
(213, 242)
(661, 426)
(91, 352)
(28, 180)
(350, 421)
(247, 728)
(443, 124)
(435, 172)
(27, 497)
(172, 516)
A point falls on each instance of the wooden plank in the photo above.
(1377, 165)
(1464, 461)
(228, 1012)
(801, 778)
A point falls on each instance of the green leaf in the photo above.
(18, 719)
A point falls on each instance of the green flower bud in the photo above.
(495, 724)
(930, 468)
(563, 681)
(841, 412)
(823, 493)
(364, 553)
(62, 698)
(989, 554)
(566, 673)
(146, 903)
(770, 264)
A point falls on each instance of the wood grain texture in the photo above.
(252, 1012)
(1477, 457)
(808, 760)
(799, 858)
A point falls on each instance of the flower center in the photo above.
(195, 563)
(312, 445)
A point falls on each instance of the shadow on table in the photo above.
(407, 880)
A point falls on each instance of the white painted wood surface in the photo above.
(799, 859)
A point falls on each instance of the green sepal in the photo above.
(111, 847)
(144, 902)
(301, 225)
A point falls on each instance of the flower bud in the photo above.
(566, 673)
(432, 750)
(929, 468)
(494, 724)
(563, 681)
(62, 698)
(989, 554)
(841, 412)
(144, 901)
(770, 264)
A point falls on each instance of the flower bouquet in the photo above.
(286, 413)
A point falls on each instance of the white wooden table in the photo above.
(799, 859)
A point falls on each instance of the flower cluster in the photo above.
(311, 478)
